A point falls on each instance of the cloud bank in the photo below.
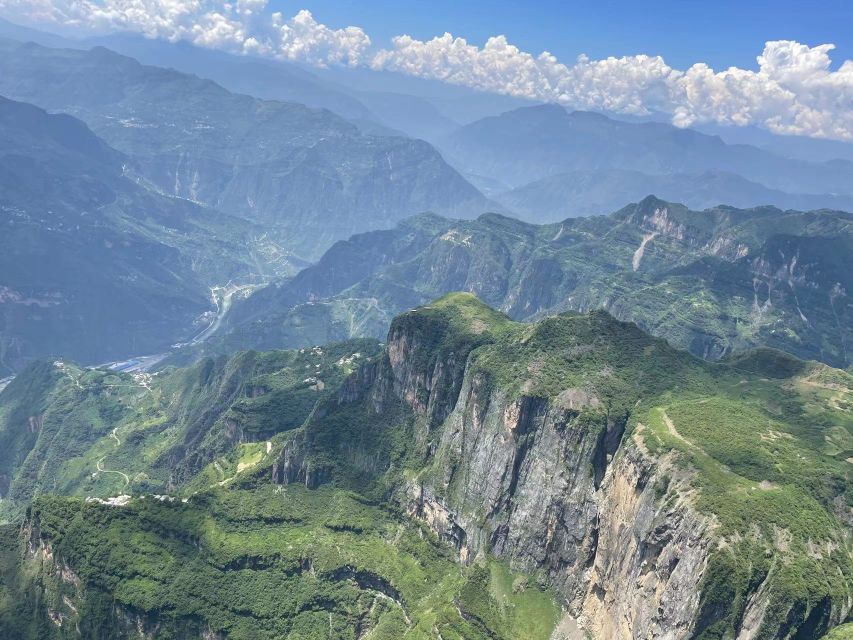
(242, 26)
(794, 90)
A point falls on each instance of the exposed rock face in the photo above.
(556, 488)
(294, 467)
(551, 479)
(427, 381)
(520, 478)
(547, 486)
(651, 554)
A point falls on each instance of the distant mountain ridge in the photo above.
(546, 163)
(591, 192)
(371, 99)
(305, 173)
(529, 144)
(713, 281)
(94, 266)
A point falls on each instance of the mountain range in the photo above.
(339, 353)
(712, 282)
(369, 98)
(309, 176)
(94, 266)
(475, 478)
(739, 166)
(592, 192)
(529, 144)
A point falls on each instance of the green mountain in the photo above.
(840, 633)
(476, 478)
(712, 282)
(93, 266)
(308, 175)
(157, 430)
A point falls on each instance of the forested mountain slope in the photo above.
(712, 282)
(636, 487)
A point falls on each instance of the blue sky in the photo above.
(692, 60)
(721, 33)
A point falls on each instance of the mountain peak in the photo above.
(651, 202)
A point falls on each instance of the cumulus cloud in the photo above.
(242, 26)
(794, 90)
(303, 38)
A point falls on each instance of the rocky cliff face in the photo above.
(653, 549)
(549, 486)
(555, 486)
(659, 496)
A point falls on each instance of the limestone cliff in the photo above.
(656, 495)
(563, 485)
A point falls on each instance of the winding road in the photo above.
(100, 463)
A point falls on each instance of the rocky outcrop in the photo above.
(652, 551)
(422, 374)
(554, 480)
(294, 465)
(555, 487)
(548, 486)
(518, 477)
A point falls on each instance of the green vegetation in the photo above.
(709, 282)
(758, 446)
(272, 562)
(766, 437)
(498, 599)
(842, 632)
(763, 441)
(75, 431)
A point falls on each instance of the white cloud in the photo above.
(239, 27)
(303, 38)
(793, 91)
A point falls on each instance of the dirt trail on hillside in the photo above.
(99, 465)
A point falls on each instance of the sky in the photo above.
(721, 33)
(785, 66)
